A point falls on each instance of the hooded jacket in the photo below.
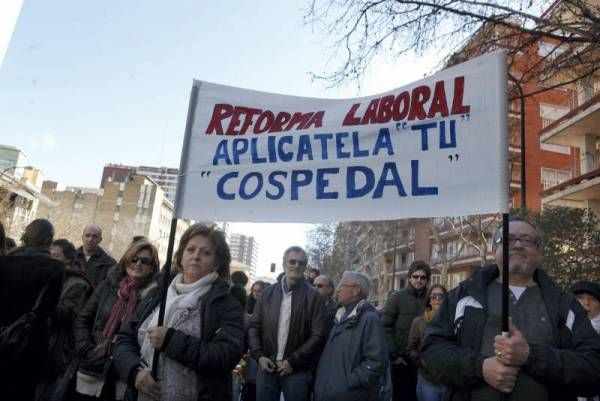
(355, 358)
(570, 366)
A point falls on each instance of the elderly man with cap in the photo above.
(588, 295)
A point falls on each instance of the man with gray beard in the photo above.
(552, 352)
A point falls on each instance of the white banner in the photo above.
(437, 147)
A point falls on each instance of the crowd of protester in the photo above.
(93, 331)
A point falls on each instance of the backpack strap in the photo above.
(38, 301)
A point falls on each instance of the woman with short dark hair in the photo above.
(202, 335)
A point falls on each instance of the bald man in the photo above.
(93, 259)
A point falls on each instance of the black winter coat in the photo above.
(399, 312)
(213, 356)
(570, 366)
(91, 320)
(22, 276)
(307, 326)
(97, 266)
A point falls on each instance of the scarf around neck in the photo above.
(127, 295)
(179, 296)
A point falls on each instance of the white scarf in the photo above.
(179, 296)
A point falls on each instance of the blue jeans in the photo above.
(295, 387)
(427, 391)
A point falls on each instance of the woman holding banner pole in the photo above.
(202, 337)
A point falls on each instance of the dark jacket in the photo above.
(93, 317)
(453, 339)
(306, 333)
(97, 266)
(355, 358)
(77, 288)
(22, 276)
(213, 356)
(399, 312)
(331, 307)
(413, 349)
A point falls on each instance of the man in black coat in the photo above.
(398, 314)
(552, 352)
(94, 260)
(286, 333)
(22, 277)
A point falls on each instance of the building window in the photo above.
(551, 177)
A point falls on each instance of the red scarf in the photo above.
(121, 312)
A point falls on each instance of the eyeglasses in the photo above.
(143, 260)
(419, 277)
(439, 297)
(525, 241)
(298, 262)
(321, 285)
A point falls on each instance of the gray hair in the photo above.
(362, 280)
(95, 227)
(294, 248)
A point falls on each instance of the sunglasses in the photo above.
(419, 277)
(439, 297)
(298, 262)
(322, 286)
(143, 260)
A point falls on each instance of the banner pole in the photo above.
(166, 272)
(505, 256)
(183, 168)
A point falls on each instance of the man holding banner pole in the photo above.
(552, 352)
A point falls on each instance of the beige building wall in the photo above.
(71, 211)
(122, 210)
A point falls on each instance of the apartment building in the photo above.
(166, 177)
(123, 210)
(579, 128)
(20, 191)
(244, 250)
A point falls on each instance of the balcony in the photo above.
(576, 191)
(579, 184)
(572, 128)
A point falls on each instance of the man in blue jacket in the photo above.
(552, 352)
(355, 358)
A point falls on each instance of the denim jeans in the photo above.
(428, 391)
(295, 387)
